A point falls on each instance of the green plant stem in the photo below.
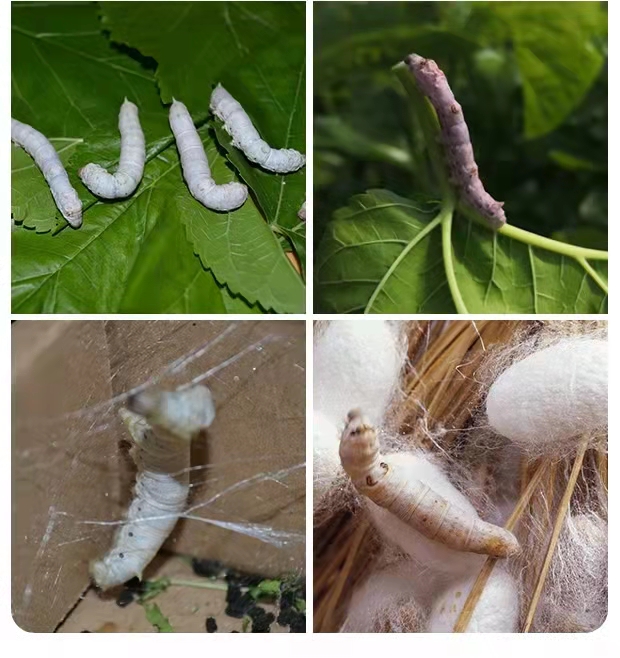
(446, 245)
(198, 584)
(562, 248)
(594, 274)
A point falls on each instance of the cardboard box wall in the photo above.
(68, 466)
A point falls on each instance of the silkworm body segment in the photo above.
(195, 165)
(47, 160)
(432, 82)
(131, 165)
(161, 452)
(246, 138)
(414, 502)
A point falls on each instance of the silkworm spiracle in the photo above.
(162, 439)
(246, 138)
(131, 164)
(195, 165)
(431, 80)
(47, 160)
(414, 502)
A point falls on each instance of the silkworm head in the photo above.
(71, 207)
(183, 413)
(359, 447)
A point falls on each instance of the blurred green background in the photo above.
(532, 80)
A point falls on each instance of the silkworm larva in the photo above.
(246, 138)
(162, 426)
(46, 158)
(131, 164)
(195, 166)
(302, 212)
(414, 502)
(455, 136)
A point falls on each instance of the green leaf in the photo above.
(131, 255)
(155, 617)
(153, 588)
(266, 589)
(556, 50)
(387, 254)
(202, 40)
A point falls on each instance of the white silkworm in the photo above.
(384, 482)
(552, 396)
(497, 610)
(195, 166)
(46, 158)
(455, 136)
(162, 426)
(131, 164)
(246, 138)
(302, 212)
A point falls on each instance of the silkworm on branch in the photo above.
(161, 425)
(131, 165)
(246, 138)
(47, 160)
(195, 165)
(414, 501)
(459, 152)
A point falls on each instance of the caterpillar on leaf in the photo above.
(47, 160)
(131, 164)
(458, 148)
(195, 165)
(245, 137)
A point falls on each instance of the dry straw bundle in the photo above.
(464, 393)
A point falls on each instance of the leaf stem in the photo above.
(198, 583)
(563, 248)
(446, 215)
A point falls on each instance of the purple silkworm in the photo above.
(432, 82)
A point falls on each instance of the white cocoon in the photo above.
(436, 557)
(356, 364)
(497, 610)
(326, 458)
(386, 603)
(552, 395)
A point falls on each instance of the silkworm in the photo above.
(161, 425)
(414, 501)
(552, 396)
(302, 212)
(195, 165)
(432, 82)
(47, 160)
(355, 364)
(131, 164)
(246, 138)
